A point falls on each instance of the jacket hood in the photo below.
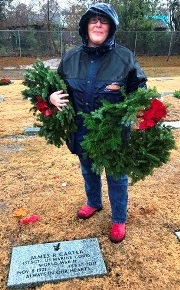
(99, 9)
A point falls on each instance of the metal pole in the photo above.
(19, 40)
(170, 45)
(135, 43)
(61, 43)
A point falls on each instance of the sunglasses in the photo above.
(94, 20)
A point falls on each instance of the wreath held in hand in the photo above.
(56, 126)
(146, 147)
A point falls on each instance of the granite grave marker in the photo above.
(53, 262)
(177, 233)
(31, 131)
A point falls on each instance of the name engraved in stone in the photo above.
(31, 265)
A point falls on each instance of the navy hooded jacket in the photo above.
(92, 74)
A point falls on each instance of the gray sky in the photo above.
(62, 4)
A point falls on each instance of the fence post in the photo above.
(61, 43)
(19, 41)
(135, 43)
(170, 45)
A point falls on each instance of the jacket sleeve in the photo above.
(59, 73)
(136, 78)
(60, 68)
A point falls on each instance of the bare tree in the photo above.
(49, 14)
(174, 12)
(4, 5)
(74, 14)
(18, 17)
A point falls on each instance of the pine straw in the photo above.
(32, 174)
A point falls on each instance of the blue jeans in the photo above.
(117, 191)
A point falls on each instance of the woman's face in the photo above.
(98, 30)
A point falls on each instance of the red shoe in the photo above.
(86, 212)
(117, 233)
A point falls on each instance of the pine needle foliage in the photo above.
(57, 125)
(136, 155)
(176, 94)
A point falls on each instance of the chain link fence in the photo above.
(55, 43)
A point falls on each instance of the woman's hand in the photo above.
(59, 99)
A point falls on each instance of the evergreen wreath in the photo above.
(54, 125)
(148, 144)
(147, 147)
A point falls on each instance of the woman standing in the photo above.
(94, 71)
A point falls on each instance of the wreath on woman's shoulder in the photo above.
(56, 126)
(136, 154)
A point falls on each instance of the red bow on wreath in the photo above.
(44, 108)
(148, 118)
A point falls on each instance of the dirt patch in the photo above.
(153, 66)
(16, 61)
(145, 61)
(33, 178)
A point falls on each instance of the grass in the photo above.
(31, 176)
